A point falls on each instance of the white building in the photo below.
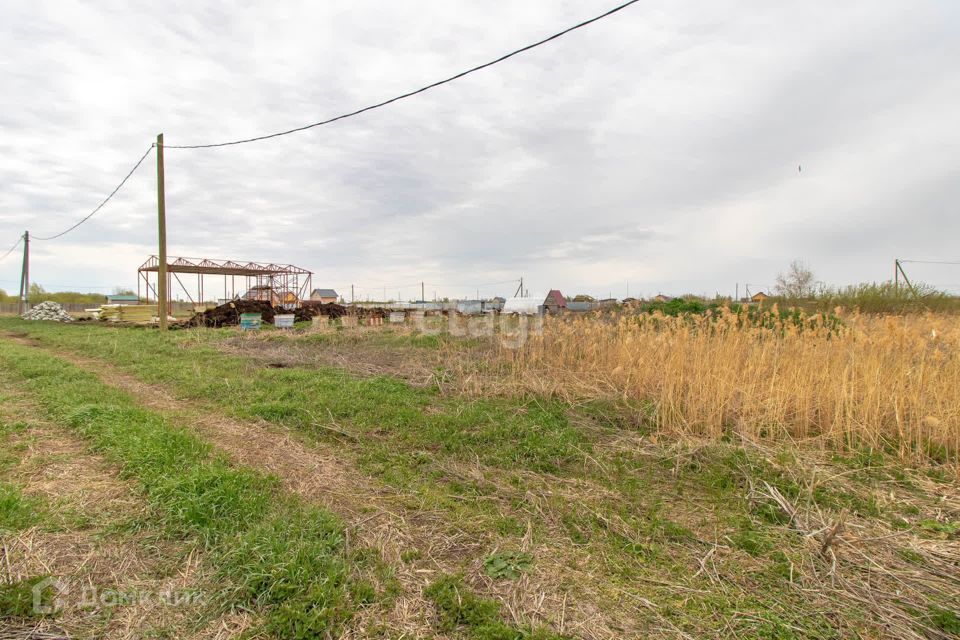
(529, 306)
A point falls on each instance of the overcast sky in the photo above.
(657, 149)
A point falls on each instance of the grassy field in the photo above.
(667, 477)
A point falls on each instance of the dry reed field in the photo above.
(843, 380)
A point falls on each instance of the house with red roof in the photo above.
(554, 302)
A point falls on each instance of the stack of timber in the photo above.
(228, 314)
(311, 309)
(134, 313)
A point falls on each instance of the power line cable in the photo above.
(105, 200)
(410, 93)
(71, 286)
(10, 250)
(334, 119)
(382, 286)
(947, 262)
(473, 286)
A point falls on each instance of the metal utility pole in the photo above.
(24, 276)
(896, 273)
(162, 233)
(352, 298)
(423, 296)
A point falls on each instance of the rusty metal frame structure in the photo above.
(274, 283)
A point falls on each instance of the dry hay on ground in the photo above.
(72, 483)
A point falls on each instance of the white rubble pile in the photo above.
(48, 310)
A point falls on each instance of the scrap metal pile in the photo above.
(48, 310)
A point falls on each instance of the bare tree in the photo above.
(797, 282)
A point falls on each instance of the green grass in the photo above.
(650, 520)
(16, 510)
(406, 432)
(937, 528)
(946, 620)
(535, 434)
(460, 609)
(271, 553)
(16, 599)
(498, 433)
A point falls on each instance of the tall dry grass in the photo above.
(890, 382)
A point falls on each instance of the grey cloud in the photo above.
(610, 156)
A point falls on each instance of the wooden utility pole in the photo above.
(905, 278)
(162, 229)
(23, 300)
(896, 274)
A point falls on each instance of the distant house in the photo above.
(554, 302)
(123, 298)
(324, 295)
(662, 298)
(607, 302)
(759, 296)
(630, 301)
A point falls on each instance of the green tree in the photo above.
(39, 294)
